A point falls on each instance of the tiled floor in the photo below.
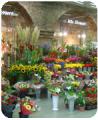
(46, 111)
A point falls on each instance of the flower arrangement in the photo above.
(53, 54)
(9, 102)
(49, 59)
(74, 65)
(88, 65)
(22, 86)
(27, 106)
(57, 66)
(54, 88)
(69, 89)
(73, 59)
(26, 68)
(36, 79)
(80, 75)
(9, 99)
(59, 60)
(91, 92)
(55, 75)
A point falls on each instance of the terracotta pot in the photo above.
(81, 108)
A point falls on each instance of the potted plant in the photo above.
(68, 88)
(80, 101)
(27, 106)
(54, 89)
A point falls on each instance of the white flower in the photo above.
(36, 74)
(57, 90)
(68, 87)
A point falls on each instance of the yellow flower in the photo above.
(59, 60)
(28, 107)
(60, 72)
(73, 65)
(57, 66)
(76, 83)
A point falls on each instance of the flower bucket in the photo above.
(7, 110)
(71, 102)
(55, 99)
(37, 91)
(21, 115)
(49, 95)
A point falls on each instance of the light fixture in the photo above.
(83, 35)
(60, 34)
(79, 36)
(65, 34)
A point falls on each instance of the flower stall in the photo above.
(72, 77)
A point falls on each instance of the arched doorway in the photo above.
(75, 27)
(13, 14)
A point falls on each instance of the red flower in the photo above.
(93, 89)
(88, 65)
(47, 60)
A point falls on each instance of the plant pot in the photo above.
(7, 110)
(71, 102)
(49, 95)
(21, 115)
(81, 108)
(55, 99)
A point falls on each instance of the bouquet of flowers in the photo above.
(80, 75)
(9, 99)
(54, 88)
(27, 106)
(22, 86)
(59, 60)
(91, 92)
(49, 60)
(57, 66)
(53, 54)
(73, 59)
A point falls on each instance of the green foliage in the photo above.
(81, 98)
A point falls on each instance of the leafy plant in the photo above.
(80, 98)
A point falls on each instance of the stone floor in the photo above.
(46, 111)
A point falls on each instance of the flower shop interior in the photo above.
(49, 59)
